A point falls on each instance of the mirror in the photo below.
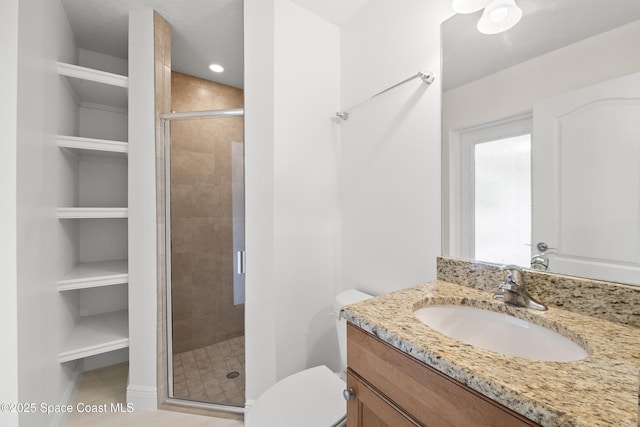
(528, 77)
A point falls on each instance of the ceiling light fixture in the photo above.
(469, 6)
(499, 16)
(216, 68)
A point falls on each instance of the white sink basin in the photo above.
(500, 333)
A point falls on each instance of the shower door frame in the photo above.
(166, 120)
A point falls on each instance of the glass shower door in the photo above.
(205, 258)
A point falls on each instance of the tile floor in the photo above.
(209, 373)
(108, 385)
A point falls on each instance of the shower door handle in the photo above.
(240, 262)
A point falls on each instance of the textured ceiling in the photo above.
(545, 26)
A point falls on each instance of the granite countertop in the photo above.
(601, 390)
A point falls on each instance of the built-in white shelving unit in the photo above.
(87, 275)
(94, 86)
(81, 212)
(97, 334)
(93, 145)
(94, 204)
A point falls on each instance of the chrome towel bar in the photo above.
(426, 78)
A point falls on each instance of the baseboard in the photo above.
(143, 398)
(69, 395)
(248, 404)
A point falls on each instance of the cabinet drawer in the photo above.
(425, 394)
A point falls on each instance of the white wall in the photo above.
(142, 388)
(44, 36)
(260, 304)
(8, 261)
(291, 178)
(306, 202)
(387, 155)
(391, 145)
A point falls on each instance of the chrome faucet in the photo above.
(512, 290)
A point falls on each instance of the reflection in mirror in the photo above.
(567, 77)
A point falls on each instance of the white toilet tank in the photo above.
(347, 297)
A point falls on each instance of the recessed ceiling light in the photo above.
(216, 68)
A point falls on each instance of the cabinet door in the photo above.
(367, 408)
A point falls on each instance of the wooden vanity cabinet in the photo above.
(392, 389)
(368, 408)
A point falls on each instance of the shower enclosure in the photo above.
(204, 189)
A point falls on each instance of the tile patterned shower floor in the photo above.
(203, 373)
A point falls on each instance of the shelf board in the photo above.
(95, 274)
(94, 86)
(96, 335)
(92, 145)
(86, 213)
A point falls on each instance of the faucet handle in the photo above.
(512, 274)
(509, 285)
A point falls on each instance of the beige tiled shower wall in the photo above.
(201, 215)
